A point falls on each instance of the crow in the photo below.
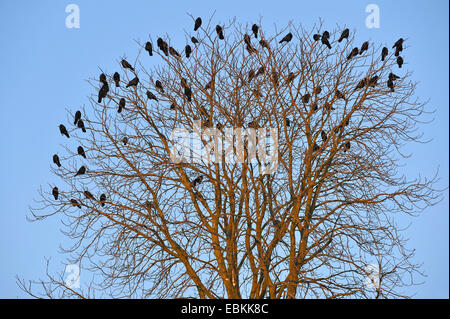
(353, 53)
(393, 77)
(219, 31)
(127, 65)
(390, 84)
(315, 147)
(56, 160)
(63, 130)
(361, 84)
(264, 44)
(398, 43)
(172, 106)
(384, 53)
(149, 48)
(89, 195)
(400, 62)
(326, 42)
(77, 117)
(364, 47)
(173, 52)
(286, 38)
(55, 192)
(80, 124)
(102, 199)
(116, 78)
(188, 93)
(346, 146)
(163, 46)
(80, 151)
(188, 51)
(255, 30)
(133, 82)
(373, 81)
(81, 171)
(316, 37)
(159, 86)
(247, 39)
(194, 40)
(103, 78)
(102, 92)
(340, 95)
(287, 122)
(314, 107)
(398, 50)
(121, 105)
(198, 23)
(197, 181)
(323, 135)
(326, 35)
(125, 140)
(151, 96)
(208, 85)
(305, 98)
(344, 35)
(74, 202)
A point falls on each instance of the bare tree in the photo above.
(316, 226)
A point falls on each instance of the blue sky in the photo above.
(45, 65)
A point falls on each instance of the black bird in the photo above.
(116, 78)
(172, 106)
(55, 192)
(183, 82)
(127, 65)
(326, 35)
(315, 147)
(125, 140)
(400, 62)
(188, 93)
(151, 96)
(393, 77)
(159, 86)
(121, 105)
(364, 47)
(77, 117)
(103, 78)
(353, 53)
(390, 84)
(80, 124)
(163, 46)
(102, 199)
(208, 85)
(133, 82)
(198, 23)
(287, 121)
(63, 130)
(326, 42)
(188, 51)
(197, 181)
(373, 81)
(346, 146)
(194, 40)
(398, 49)
(56, 160)
(173, 52)
(344, 35)
(80, 151)
(74, 202)
(384, 53)
(340, 95)
(305, 98)
(89, 195)
(219, 31)
(81, 171)
(247, 39)
(103, 91)
(286, 38)
(316, 37)
(255, 30)
(149, 48)
(260, 71)
(361, 84)
(264, 44)
(398, 43)
(314, 107)
(323, 135)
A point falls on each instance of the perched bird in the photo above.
(286, 38)
(74, 202)
(328, 106)
(326, 34)
(353, 53)
(197, 181)
(208, 85)
(305, 98)
(163, 46)
(344, 35)
(316, 37)
(173, 52)
(384, 53)
(80, 151)
(317, 90)
(247, 39)
(125, 140)
(260, 71)
(390, 84)
(159, 86)
(264, 44)
(326, 42)
(103, 78)
(315, 147)
(172, 106)
(151, 96)
(400, 62)
(102, 199)
(287, 122)
(56, 160)
(80, 124)
(398, 43)
(121, 105)
(393, 77)
(251, 49)
(219, 31)
(255, 30)
(314, 107)
(133, 82)
(198, 23)
(194, 40)
(63, 130)
(188, 93)
(89, 195)
(103, 92)
(188, 51)
(361, 84)
(251, 75)
(116, 78)
(346, 146)
(340, 95)
(81, 171)
(149, 48)
(364, 47)
(373, 81)
(55, 192)
(323, 135)
(77, 117)
(183, 82)
(127, 65)
(398, 49)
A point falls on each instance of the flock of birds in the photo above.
(168, 50)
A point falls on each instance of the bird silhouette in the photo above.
(188, 51)
(400, 62)
(316, 37)
(56, 160)
(80, 124)
(346, 146)
(63, 130)
(340, 95)
(151, 96)
(74, 202)
(264, 44)
(125, 140)
(384, 53)
(159, 86)
(398, 49)
(80, 151)
(183, 82)
(174, 52)
(188, 93)
(121, 105)
(364, 47)
(326, 34)
(255, 30)
(197, 181)
(134, 82)
(194, 40)
(149, 48)
(393, 77)
(55, 192)
(373, 81)
(315, 147)
(81, 171)
(251, 75)
(251, 49)
(103, 78)
(77, 117)
(127, 65)
(208, 85)
(353, 53)
(398, 43)
(89, 195)
(344, 35)
(260, 71)
(305, 98)
(102, 199)
(116, 78)
(103, 92)
(390, 84)
(287, 38)
(323, 135)
(163, 46)
(361, 84)
(326, 42)
(198, 23)
(219, 31)
(247, 39)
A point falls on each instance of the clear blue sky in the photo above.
(44, 66)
